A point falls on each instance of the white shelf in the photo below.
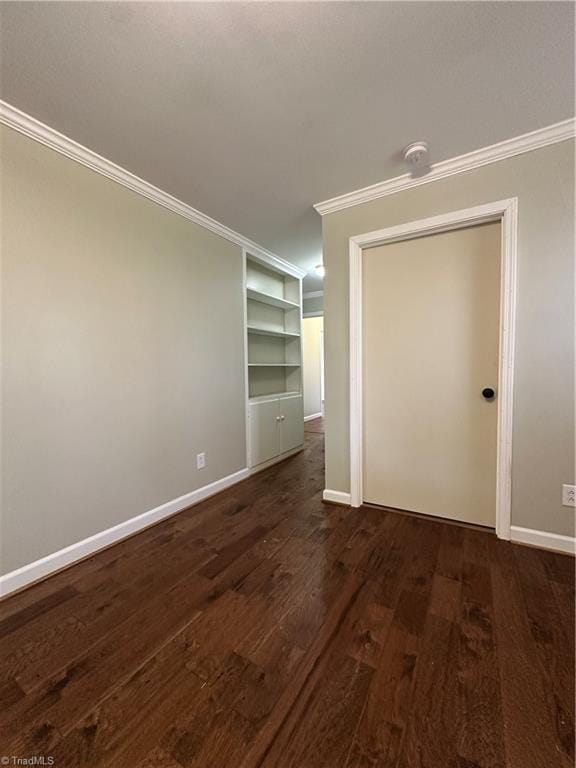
(273, 301)
(272, 395)
(273, 365)
(266, 332)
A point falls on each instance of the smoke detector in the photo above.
(416, 154)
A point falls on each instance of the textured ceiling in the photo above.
(252, 112)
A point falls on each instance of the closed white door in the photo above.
(264, 431)
(431, 335)
(291, 423)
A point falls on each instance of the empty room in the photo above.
(287, 384)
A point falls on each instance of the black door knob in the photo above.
(488, 393)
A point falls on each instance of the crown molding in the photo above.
(528, 142)
(44, 134)
(312, 294)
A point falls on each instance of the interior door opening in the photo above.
(431, 320)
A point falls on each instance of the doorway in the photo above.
(431, 319)
(313, 367)
(426, 431)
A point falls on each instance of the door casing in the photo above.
(505, 211)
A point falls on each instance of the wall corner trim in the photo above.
(44, 134)
(528, 142)
(336, 497)
(543, 539)
(40, 569)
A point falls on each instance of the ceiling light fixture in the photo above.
(320, 270)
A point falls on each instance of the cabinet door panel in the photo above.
(292, 423)
(264, 431)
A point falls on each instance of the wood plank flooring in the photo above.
(265, 629)
(314, 425)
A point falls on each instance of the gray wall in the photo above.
(122, 353)
(543, 436)
(314, 304)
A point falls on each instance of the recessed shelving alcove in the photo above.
(274, 357)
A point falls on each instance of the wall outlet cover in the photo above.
(569, 495)
(200, 460)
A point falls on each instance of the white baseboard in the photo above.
(42, 568)
(313, 416)
(543, 539)
(336, 497)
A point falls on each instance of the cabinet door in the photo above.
(264, 431)
(291, 423)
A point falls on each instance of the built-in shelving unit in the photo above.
(268, 332)
(273, 301)
(266, 398)
(273, 327)
(274, 358)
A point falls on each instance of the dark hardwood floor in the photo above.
(314, 425)
(265, 628)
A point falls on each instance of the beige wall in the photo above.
(122, 353)
(543, 432)
(312, 360)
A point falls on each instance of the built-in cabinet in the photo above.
(276, 426)
(274, 358)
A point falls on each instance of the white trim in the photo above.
(313, 416)
(336, 497)
(318, 313)
(42, 568)
(355, 373)
(44, 134)
(245, 361)
(273, 262)
(543, 539)
(505, 211)
(312, 294)
(528, 142)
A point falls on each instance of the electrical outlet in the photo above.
(569, 495)
(200, 460)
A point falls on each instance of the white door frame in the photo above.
(505, 211)
(322, 370)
